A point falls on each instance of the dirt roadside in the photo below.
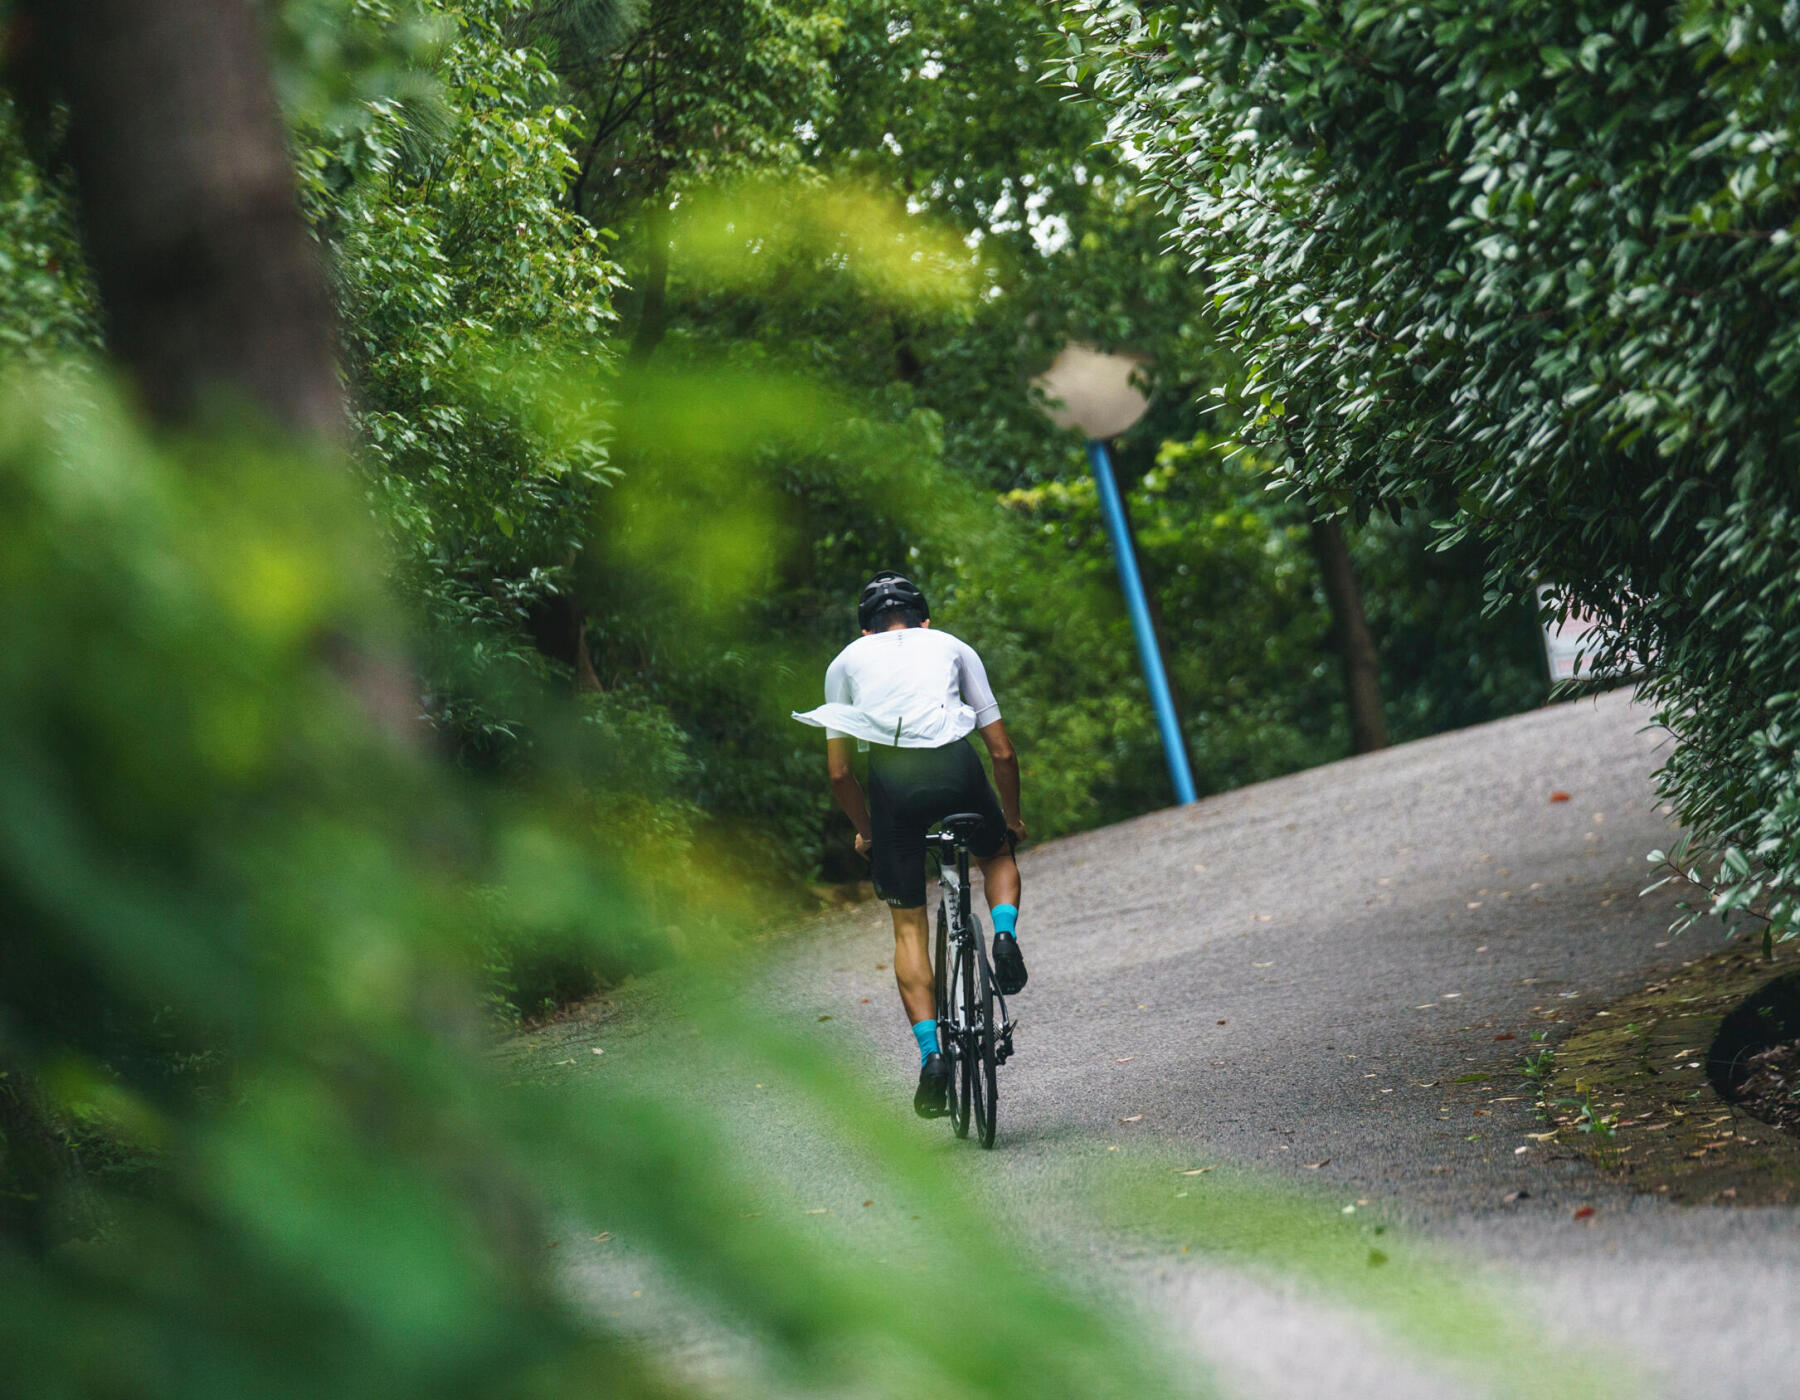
(1636, 1088)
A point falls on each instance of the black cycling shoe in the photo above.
(932, 1098)
(1009, 965)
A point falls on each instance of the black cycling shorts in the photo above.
(910, 790)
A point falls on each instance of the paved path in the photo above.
(1293, 979)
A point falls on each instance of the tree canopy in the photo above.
(1532, 267)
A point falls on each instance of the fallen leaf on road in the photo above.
(1559, 797)
(1508, 1036)
(597, 1050)
(1512, 1196)
(820, 1211)
(1196, 1171)
(1520, 1151)
(868, 1203)
(1541, 1137)
(1123, 1059)
(1135, 1118)
(1314, 1166)
(1428, 1006)
(824, 1018)
(1221, 1023)
(1585, 1213)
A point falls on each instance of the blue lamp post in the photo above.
(1094, 391)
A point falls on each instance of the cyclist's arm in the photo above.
(1006, 773)
(845, 788)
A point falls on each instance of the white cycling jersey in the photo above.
(912, 687)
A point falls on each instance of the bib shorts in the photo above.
(910, 790)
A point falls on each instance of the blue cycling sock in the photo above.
(925, 1032)
(1005, 916)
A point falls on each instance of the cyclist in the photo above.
(910, 696)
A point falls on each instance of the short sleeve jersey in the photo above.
(912, 687)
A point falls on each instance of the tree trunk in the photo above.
(558, 626)
(1362, 665)
(212, 287)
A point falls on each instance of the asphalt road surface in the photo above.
(1302, 985)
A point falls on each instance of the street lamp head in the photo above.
(1093, 391)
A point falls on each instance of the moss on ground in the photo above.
(1642, 1063)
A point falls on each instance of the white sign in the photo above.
(1572, 646)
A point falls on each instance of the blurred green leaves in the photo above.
(227, 842)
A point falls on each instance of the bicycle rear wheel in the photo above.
(984, 1090)
(950, 1028)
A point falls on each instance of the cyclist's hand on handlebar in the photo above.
(863, 845)
(1018, 831)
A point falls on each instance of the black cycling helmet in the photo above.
(888, 590)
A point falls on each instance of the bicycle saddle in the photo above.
(963, 823)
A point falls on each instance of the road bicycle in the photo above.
(973, 1028)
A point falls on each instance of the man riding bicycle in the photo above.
(911, 696)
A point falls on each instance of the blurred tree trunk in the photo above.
(213, 290)
(212, 287)
(653, 315)
(1362, 664)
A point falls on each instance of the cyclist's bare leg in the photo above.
(912, 964)
(1000, 877)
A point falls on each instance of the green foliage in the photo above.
(462, 276)
(237, 845)
(884, 221)
(1531, 266)
(45, 302)
(698, 90)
